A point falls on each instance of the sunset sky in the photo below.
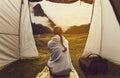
(65, 15)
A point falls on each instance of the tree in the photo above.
(40, 29)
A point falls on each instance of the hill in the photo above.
(78, 29)
(40, 29)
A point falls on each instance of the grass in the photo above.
(76, 46)
(29, 68)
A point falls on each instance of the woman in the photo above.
(60, 62)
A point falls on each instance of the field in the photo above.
(76, 46)
(29, 68)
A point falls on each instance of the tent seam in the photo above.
(19, 45)
(9, 34)
(101, 30)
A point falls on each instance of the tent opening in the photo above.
(76, 33)
(88, 29)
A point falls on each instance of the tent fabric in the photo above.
(9, 13)
(9, 35)
(88, 1)
(116, 7)
(94, 37)
(16, 39)
(35, 0)
(27, 43)
(63, 1)
(110, 34)
(108, 31)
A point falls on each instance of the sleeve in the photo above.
(56, 55)
(55, 50)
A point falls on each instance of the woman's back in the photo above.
(59, 62)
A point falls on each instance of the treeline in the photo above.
(78, 29)
(40, 29)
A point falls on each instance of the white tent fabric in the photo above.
(16, 39)
(111, 33)
(94, 38)
(104, 34)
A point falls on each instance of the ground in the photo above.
(29, 68)
(76, 46)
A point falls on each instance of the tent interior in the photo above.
(23, 39)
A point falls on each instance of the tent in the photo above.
(16, 39)
(104, 33)
(116, 5)
(34, 0)
(88, 1)
(63, 1)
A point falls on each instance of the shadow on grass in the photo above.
(29, 68)
(25, 68)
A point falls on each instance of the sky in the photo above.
(65, 15)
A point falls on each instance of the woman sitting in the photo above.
(59, 62)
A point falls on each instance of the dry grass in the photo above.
(29, 68)
(76, 46)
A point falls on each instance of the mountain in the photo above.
(40, 29)
(78, 29)
(38, 11)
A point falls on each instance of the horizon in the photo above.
(64, 15)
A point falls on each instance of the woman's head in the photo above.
(58, 30)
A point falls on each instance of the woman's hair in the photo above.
(58, 31)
